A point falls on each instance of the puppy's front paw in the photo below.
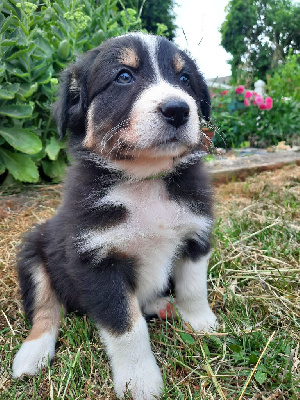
(144, 382)
(33, 355)
(204, 321)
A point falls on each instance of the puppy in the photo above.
(136, 213)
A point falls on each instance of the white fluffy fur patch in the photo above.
(34, 354)
(154, 230)
(133, 364)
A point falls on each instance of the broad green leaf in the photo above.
(27, 89)
(44, 46)
(44, 79)
(260, 376)
(2, 19)
(235, 348)
(22, 139)
(16, 71)
(6, 95)
(253, 358)
(4, 25)
(55, 169)
(22, 52)
(18, 111)
(53, 148)
(38, 156)
(187, 338)
(2, 168)
(8, 42)
(8, 91)
(20, 166)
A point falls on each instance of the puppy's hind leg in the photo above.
(44, 311)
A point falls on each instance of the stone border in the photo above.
(226, 170)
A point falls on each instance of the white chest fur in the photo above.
(152, 233)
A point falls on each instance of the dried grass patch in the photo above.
(254, 289)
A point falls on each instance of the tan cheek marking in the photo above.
(178, 62)
(129, 57)
(89, 140)
(134, 309)
(47, 308)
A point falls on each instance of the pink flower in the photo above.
(240, 89)
(258, 100)
(248, 94)
(224, 92)
(269, 101)
(247, 102)
(267, 105)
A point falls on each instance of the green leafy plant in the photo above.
(285, 82)
(37, 40)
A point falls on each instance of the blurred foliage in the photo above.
(259, 34)
(157, 17)
(37, 40)
(285, 81)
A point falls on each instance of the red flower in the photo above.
(262, 107)
(248, 94)
(240, 89)
(247, 102)
(224, 92)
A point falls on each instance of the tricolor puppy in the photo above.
(137, 209)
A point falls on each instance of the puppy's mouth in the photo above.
(172, 137)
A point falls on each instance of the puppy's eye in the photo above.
(124, 78)
(185, 78)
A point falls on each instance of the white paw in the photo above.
(144, 382)
(202, 321)
(33, 355)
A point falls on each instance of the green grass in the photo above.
(254, 290)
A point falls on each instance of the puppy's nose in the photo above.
(175, 112)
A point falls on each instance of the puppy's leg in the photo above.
(44, 310)
(107, 291)
(132, 361)
(191, 293)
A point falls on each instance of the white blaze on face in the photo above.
(147, 122)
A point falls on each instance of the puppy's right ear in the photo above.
(61, 106)
(69, 109)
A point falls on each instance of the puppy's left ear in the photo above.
(204, 100)
(70, 108)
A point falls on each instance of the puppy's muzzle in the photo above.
(175, 112)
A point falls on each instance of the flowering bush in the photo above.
(243, 117)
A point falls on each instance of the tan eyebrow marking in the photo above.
(129, 57)
(178, 62)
